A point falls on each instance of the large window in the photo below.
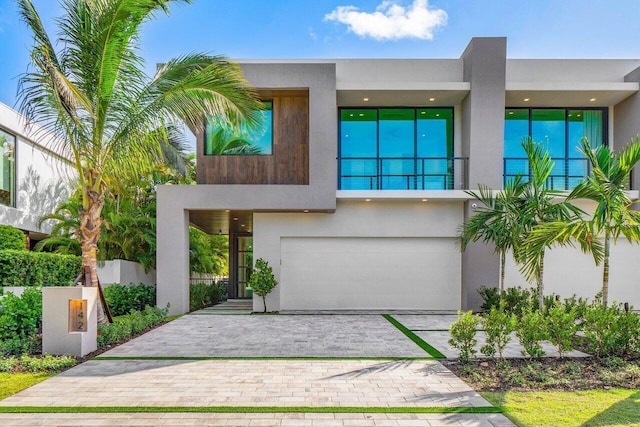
(220, 139)
(560, 130)
(7, 168)
(396, 149)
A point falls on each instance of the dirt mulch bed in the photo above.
(548, 373)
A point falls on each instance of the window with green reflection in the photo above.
(7, 168)
(221, 139)
(560, 130)
(396, 148)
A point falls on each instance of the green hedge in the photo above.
(12, 238)
(23, 268)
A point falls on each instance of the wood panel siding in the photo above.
(289, 163)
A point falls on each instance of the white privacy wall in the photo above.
(366, 255)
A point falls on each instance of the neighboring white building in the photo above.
(34, 178)
(358, 196)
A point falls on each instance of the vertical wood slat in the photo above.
(289, 163)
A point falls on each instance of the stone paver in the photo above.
(273, 335)
(362, 383)
(259, 419)
(427, 321)
(262, 382)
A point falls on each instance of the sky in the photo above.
(357, 29)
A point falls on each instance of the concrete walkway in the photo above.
(197, 364)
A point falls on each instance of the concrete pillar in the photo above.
(56, 336)
(484, 67)
(172, 253)
(627, 123)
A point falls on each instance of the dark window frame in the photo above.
(12, 194)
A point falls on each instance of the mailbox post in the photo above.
(69, 321)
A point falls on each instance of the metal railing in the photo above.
(403, 173)
(567, 172)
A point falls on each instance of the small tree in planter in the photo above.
(262, 280)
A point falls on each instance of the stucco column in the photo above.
(172, 252)
(483, 144)
(627, 122)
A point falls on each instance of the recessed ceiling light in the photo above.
(438, 115)
(242, 225)
(510, 112)
(365, 99)
(351, 115)
(592, 99)
(235, 218)
(367, 200)
(424, 200)
(227, 210)
(306, 211)
(423, 112)
(432, 99)
(526, 100)
(361, 114)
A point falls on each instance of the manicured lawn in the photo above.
(615, 407)
(13, 383)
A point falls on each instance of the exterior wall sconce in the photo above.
(77, 315)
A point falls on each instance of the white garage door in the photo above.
(369, 273)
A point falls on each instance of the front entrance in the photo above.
(241, 251)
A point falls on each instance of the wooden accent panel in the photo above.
(289, 163)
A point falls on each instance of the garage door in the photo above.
(331, 273)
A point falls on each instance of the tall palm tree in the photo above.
(612, 216)
(538, 206)
(496, 222)
(95, 97)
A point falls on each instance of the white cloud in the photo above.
(391, 21)
(312, 33)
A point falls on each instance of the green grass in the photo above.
(416, 339)
(252, 409)
(615, 407)
(13, 383)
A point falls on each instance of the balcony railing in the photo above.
(402, 173)
(566, 173)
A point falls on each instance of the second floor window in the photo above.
(560, 131)
(396, 149)
(225, 140)
(7, 168)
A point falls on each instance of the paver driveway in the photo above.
(326, 363)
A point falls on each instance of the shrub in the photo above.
(130, 324)
(498, 326)
(21, 317)
(122, 299)
(561, 327)
(23, 268)
(611, 330)
(46, 363)
(262, 280)
(12, 238)
(463, 333)
(8, 364)
(515, 300)
(531, 330)
(203, 294)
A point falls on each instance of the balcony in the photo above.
(402, 173)
(566, 174)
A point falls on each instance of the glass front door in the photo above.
(244, 265)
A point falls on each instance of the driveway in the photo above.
(301, 370)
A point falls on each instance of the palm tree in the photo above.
(612, 215)
(497, 222)
(220, 141)
(536, 207)
(95, 97)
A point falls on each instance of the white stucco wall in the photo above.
(124, 273)
(376, 220)
(42, 176)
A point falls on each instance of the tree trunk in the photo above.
(541, 284)
(90, 221)
(264, 301)
(605, 269)
(501, 281)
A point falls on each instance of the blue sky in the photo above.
(358, 29)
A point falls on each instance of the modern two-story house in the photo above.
(354, 189)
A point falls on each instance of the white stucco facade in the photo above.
(42, 175)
